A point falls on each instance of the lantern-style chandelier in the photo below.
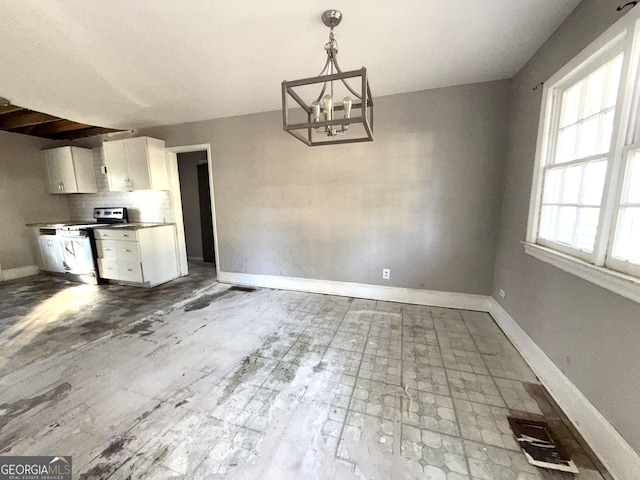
(334, 107)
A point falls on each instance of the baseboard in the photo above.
(613, 450)
(18, 272)
(462, 301)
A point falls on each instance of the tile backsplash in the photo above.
(143, 206)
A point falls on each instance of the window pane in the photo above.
(567, 144)
(566, 224)
(615, 68)
(572, 181)
(548, 221)
(627, 242)
(594, 93)
(552, 184)
(633, 180)
(571, 105)
(587, 228)
(594, 178)
(607, 132)
(588, 137)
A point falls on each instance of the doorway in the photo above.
(195, 195)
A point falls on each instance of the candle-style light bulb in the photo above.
(315, 111)
(327, 102)
(347, 103)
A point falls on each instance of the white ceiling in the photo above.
(126, 64)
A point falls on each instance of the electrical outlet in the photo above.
(386, 274)
(502, 293)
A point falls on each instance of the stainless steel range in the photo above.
(79, 246)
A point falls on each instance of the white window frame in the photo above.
(620, 277)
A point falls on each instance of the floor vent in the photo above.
(540, 445)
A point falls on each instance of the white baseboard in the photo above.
(462, 301)
(613, 450)
(19, 272)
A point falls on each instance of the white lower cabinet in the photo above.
(144, 257)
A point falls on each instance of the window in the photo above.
(584, 215)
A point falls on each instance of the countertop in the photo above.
(125, 226)
(49, 224)
(136, 225)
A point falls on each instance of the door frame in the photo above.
(176, 203)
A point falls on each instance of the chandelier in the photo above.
(334, 107)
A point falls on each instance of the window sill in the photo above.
(624, 285)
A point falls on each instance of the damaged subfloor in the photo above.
(200, 380)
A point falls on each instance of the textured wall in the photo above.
(422, 199)
(23, 197)
(590, 333)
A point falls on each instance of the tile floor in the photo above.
(201, 380)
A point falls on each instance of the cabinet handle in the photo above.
(124, 235)
(60, 187)
(107, 249)
(128, 270)
(109, 268)
(127, 250)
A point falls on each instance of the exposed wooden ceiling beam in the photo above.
(85, 132)
(45, 129)
(28, 122)
(9, 109)
(21, 119)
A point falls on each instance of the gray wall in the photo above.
(23, 197)
(188, 171)
(592, 335)
(422, 199)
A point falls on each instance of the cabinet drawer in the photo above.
(108, 268)
(105, 233)
(107, 249)
(126, 235)
(129, 271)
(128, 251)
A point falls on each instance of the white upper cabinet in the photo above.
(136, 164)
(70, 170)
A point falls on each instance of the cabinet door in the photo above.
(51, 252)
(117, 168)
(85, 177)
(138, 160)
(60, 171)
